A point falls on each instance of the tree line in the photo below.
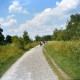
(72, 32)
(25, 39)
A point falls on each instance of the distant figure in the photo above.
(41, 43)
(44, 42)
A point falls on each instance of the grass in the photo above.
(55, 70)
(66, 55)
(10, 53)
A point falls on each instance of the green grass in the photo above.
(67, 56)
(10, 53)
(55, 70)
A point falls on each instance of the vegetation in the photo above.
(54, 68)
(8, 39)
(65, 49)
(1, 37)
(26, 37)
(72, 31)
(10, 53)
(43, 38)
(12, 48)
(66, 55)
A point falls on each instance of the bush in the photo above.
(19, 42)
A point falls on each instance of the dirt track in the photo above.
(31, 66)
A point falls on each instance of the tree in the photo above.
(47, 38)
(1, 37)
(20, 43)
(26, 37)
(73, 27)
(55, 34)
(43, 38)
(37, 38)
(72, 31)
(8, 39)
(14, 39)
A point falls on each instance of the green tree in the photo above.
(26, 37)
(14, 39)
(47, 38)
(60, 35)
(72, 31)
(8, 39)
(1, 37)
(55, 34)
(20, 43)
(73, 27)
(38, 38)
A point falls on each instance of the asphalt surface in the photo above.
(31, 66)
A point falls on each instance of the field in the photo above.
(10, 53)
(66, 55)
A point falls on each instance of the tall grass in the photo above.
(10, 53)
(66, 55)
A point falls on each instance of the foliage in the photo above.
(66, 55)
(60, 35)
(14, 48)
(26, 37)
(43, 38)
(47, 38)
(38, 38)
(8, 39)
(10, 53)
(72, 31)
(14, 39)
(19, 42)
(73, 27)
(31, 45)
(1, 37)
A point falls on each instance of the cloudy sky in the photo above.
(37, 17)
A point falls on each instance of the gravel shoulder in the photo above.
(31, 66)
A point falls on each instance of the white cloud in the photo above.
(15, 7)
(10, 16)
(1, 20)
(25, 12)
(66, 5)
(9, 21)
(47, 10)
(51, 18)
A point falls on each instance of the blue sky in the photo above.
(37, 17)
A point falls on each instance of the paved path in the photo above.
(31, 66)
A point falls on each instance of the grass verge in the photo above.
(54, 68)
(67, 57)
(10, 53)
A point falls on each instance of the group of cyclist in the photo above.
(43, 43)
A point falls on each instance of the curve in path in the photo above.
(31, 66)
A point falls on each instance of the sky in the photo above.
(37, 17)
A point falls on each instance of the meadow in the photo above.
(10, 53)
(66, 54)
